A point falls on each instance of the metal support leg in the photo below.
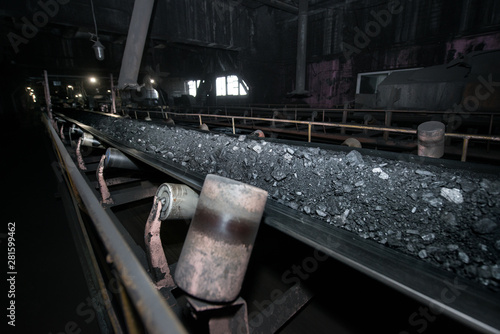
(79, 157)
(103, 187)
(222, 318)
(156, 255)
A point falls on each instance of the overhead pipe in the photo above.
(134, 47)
(300, 73)
(280, 5)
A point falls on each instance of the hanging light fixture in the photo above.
(98, 47)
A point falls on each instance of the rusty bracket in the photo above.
(156, 255)
(79, 157)
(162, 278)
(277, 313)
(105, 194)
(222, 318)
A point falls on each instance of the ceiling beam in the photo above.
(280, 5)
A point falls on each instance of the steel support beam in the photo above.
(134, 48)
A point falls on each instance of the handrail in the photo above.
(153, 309)
(386, 129)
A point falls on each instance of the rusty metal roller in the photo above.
(431, 139)
(220, 240)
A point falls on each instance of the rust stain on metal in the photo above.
(233, 193)
(215, 255)
(62, 133)
(105, 194)
(431, 139)
(79, 157)
(215, 271)
(156, 255)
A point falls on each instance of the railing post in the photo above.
(388, 120)
(464, 149)
(344, 121)
(324, 129)
(232, 121)
(199, 116)
(309, 132)
(489, 132)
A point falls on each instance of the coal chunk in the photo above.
(484, 226)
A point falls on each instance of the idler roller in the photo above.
(220, 239)
(90, 141)
(75, 131)
(116, 159)
(178, 201)
(431, 139)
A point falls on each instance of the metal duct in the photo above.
(137, 32)
(300, 78)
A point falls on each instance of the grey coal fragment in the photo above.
(429, 237)
(423, 172)
(495, 271)
(453, 195)
(355, 158)
(449, 218)
(278, 174)
(422, 254)
(467, 186)
(463, 257)
(257, 148)
(321, 213)
(484, 271)
(484, 226)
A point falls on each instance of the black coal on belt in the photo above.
(446, 217)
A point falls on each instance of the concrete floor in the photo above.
(49, 283)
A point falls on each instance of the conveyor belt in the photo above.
(468, 303)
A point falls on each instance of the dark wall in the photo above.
(364, 37)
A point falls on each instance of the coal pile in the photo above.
(447, 217)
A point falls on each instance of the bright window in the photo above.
(368, 82)
(231, 85)
(193, 86)
(221, 86)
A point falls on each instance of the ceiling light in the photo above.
(99, 50)
(98, 47)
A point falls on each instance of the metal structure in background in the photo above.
(300, 75)
(134, 47)
(249, 122)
